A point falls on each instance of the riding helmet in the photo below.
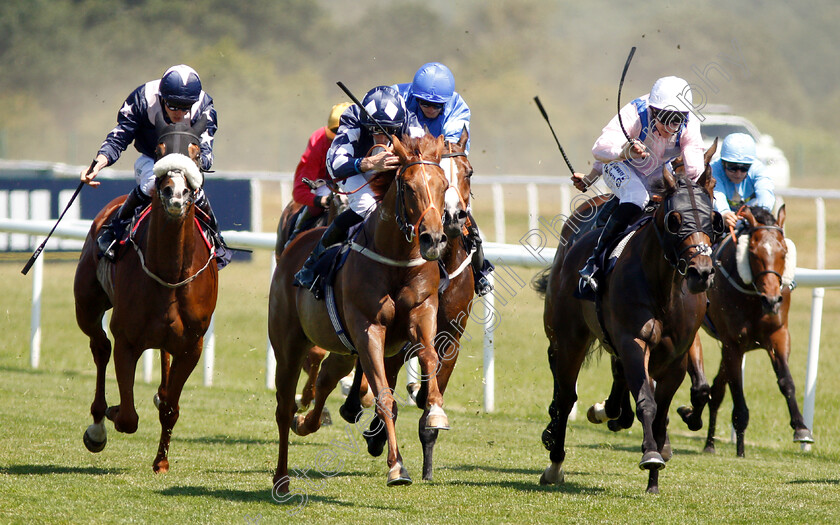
(180, 85)
(738, 148)
(384, 105)
(433, 82)
(670, 93)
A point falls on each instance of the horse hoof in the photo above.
(802, 435)
(709, 449)
(156, 401)
(300, 407)
(652, 461)
(112, 411)
(437, 420)
(667, 452)
(553, 475)
(161, 467)
(687, 414)
(398, 475)
(596, 414)
(297, 421)
(326, 418)
(93, 445)
(347, 415)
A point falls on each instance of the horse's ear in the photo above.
(160, 124)
(440, 144)
(747, 214)
(707, 182)
(780, 219)
(465, 136)
(399, 149)
(711, 151)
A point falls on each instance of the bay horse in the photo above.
(454, 306)
(386, 293)
(163, 292)
(650, 308)
(748, 309)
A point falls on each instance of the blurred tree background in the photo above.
(271, 66)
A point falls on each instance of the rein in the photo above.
(161, 281)
(728, 276)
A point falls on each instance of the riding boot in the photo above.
(208, 218)
(481, 267)
(302, 217)
(336, 232)
(110, 234)
(620, 219)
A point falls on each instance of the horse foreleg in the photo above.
(168, 410)
(692, 415)
(164, 378)
(423, 345)
(428, 436)
(633, 354)
(779, 353)
(376, 436)
(124, 416)
(333, 368)
(718, 392)
(732, 359)
(372, 355)
(95, 436)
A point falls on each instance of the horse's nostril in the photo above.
(462, 215)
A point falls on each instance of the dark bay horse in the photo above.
(455, 303)
(748, 309)
(385, 294)
(163, 292)
(649, 311)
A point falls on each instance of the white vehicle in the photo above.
(720, 125)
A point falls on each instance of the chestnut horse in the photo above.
(386, 293)
(454, 307)
(163, 292)
(748, 309)
(648, 312)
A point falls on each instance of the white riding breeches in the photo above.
(363, 200)
(144, 174)
(626, 183)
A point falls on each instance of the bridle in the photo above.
(408, 229)
(672, 255)
(753, 290)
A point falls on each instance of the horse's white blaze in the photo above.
(97, 432)
(176, 204)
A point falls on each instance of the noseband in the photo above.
(753, 290)
(408, 229)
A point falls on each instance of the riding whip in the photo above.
(620, 85)
(41, 248)
(545, 116)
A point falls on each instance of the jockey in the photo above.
(740, 178)
(178, 96)
(351, 168)
(431, 96)
(661, 129)
(313, 166)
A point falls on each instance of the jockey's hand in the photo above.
(382, 161)
(730, 219)
(323, 201)
(634, 149)
(87, 178)
(578, 182)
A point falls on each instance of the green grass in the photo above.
(224, 448)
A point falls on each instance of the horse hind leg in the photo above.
(311, 366)
(90, 311)
(168, 410)
(333, 368)
(692, 415)
(717, 393)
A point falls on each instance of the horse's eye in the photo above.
(673, 221)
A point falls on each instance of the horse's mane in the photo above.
(763, 216)
(415, 149)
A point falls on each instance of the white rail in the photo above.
(503, 255)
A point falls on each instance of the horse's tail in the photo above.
(539, 282)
